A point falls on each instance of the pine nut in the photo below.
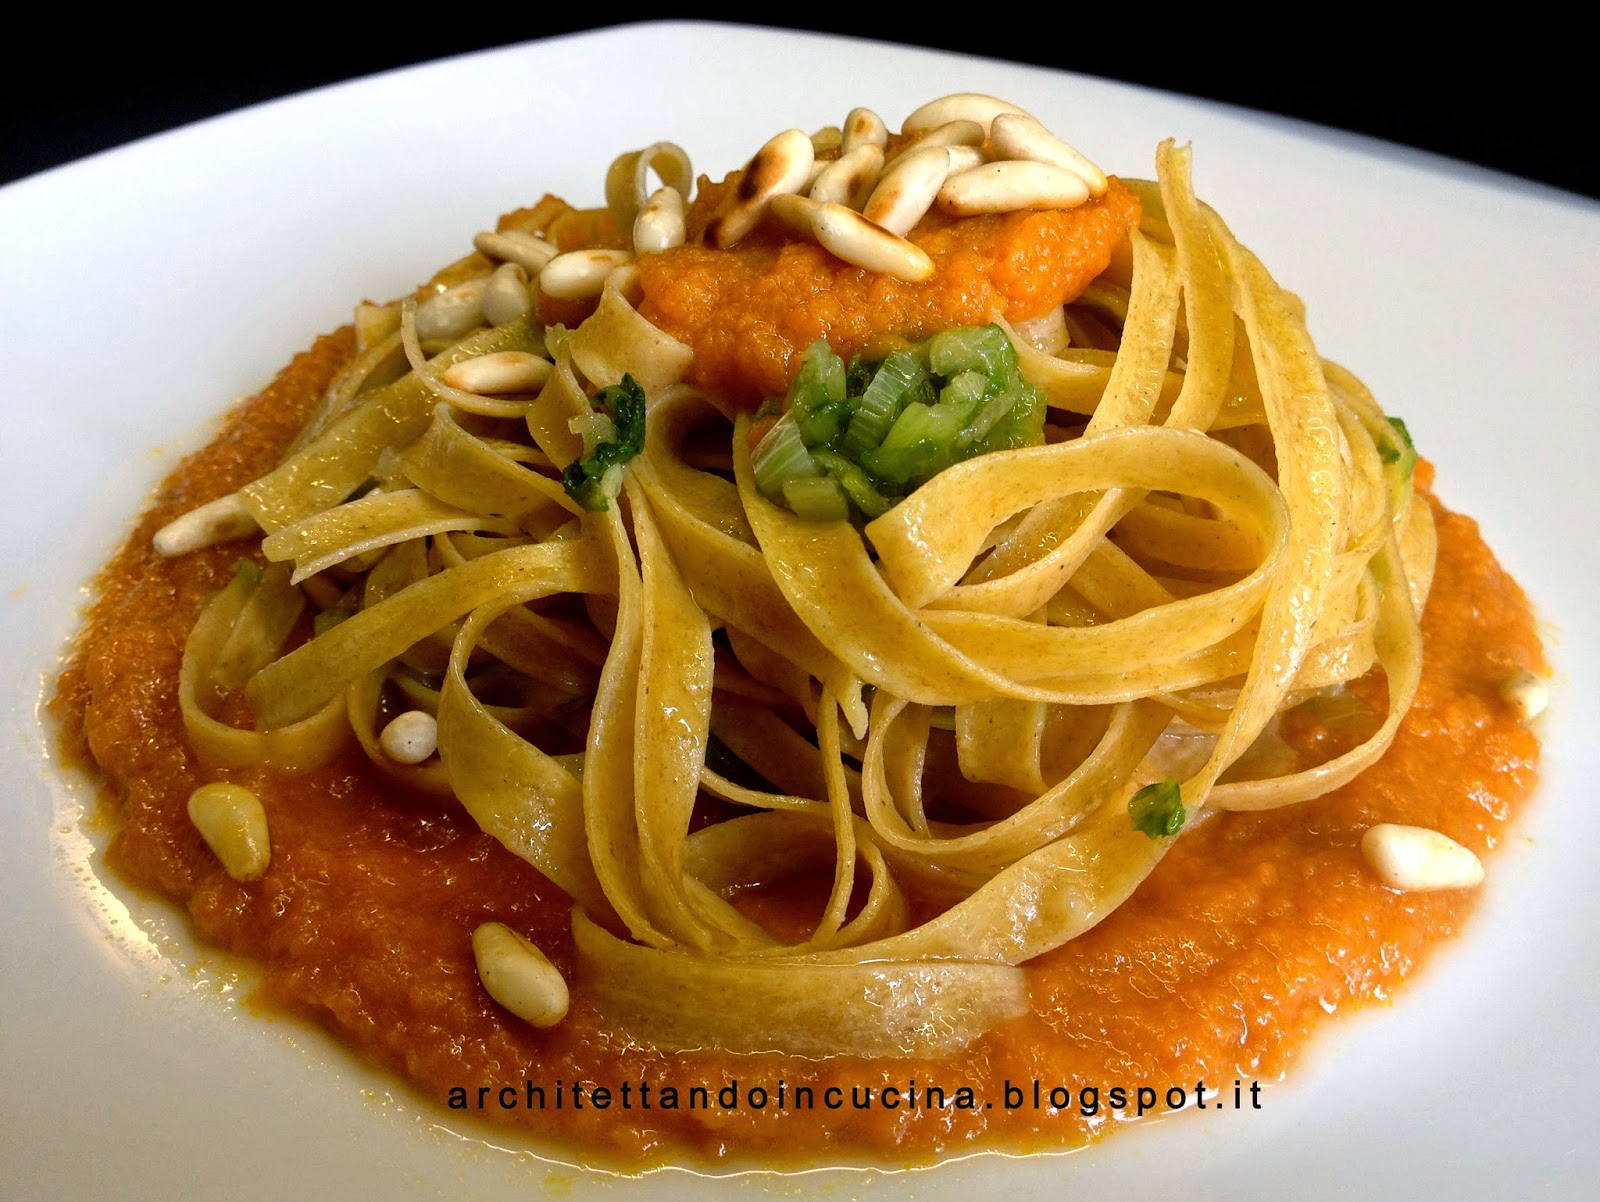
(1525, 693)
(500, 372)
(906, 191)
(782, 166)
(517, 246)
(453, 313)
(827, 140)
(856, 240)
(219, 521)
(659, 225)
(519, 976)
(960, 106)
(849, 179)
(507, 297)
(581, 274)
(1016, 136)
(797, 212)
(410, 738)
(1414, 858)
(965, 158)
(233, 822)
(863, 127)
(951, 133)
(1010, 187)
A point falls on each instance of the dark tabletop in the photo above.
(1491, 95)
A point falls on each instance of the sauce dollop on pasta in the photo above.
(749, 312)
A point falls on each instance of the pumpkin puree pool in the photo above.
(1248, 935)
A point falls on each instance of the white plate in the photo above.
(147, 287)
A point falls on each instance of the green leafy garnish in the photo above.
(879, 430)
(585, 477)
(1157, 810)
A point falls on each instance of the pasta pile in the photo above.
(954, 711)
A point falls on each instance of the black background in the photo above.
(1490, 89)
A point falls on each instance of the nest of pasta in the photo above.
(983, 714)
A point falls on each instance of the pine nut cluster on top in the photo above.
(859, 193)
(853, 189)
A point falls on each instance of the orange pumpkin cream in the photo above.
(749, 312)
(1251, 932)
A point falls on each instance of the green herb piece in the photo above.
(895, 382)
(818, 396)
(781, 456)
(858, 486)
(585, 479)
(984, 349)
(249, 571)
(817, 498)
(1398, 448)
(1157, 810)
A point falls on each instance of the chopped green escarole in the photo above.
(1157, 810)
(855, 439)
(589, 479)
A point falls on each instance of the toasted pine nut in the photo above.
(863, 127)
(1414, 858)
(850, 178)
(500, 372)
(951, 133)
(659, 224)
(219, 521)
(453, 313)
(507, 297)
(581, 274)
(519, 976)
(233, 822)
(1010, 187)
(782, 166)
(907, 189)
(856, 240)
(1525, 693)
(960, 106)
(1017, 136)
(517, 246)
(410, 738)
(797, 212)
(827, 139)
